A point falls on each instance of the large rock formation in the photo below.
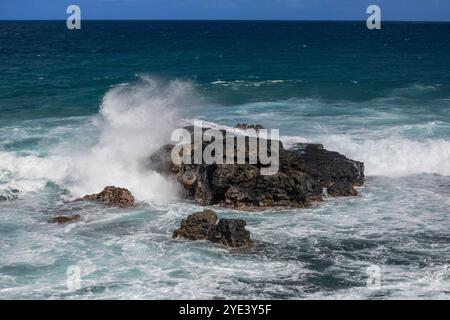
(118, 197)
(304, 172)
(203, 226)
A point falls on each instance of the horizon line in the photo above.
(224, 20)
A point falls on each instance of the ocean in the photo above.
(80, 110)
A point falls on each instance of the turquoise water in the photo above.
(82, 110)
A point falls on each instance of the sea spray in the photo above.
(134, 121)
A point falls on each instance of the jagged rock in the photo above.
(244, 126)
(66, 219)
(113, 196)
(230, 233)
(203, 226)
(303, 173)
(188, 179)
(329, 167)
(342, 189)
(197, 225)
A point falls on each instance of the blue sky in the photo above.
(422, 10)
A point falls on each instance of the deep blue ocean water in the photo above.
(80, 110)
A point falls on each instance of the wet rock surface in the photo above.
(113, 196)
(197, 225)
(329, 167)
(66, 219)
(244, 126)
(342, 189)
(304, 172)
(203, 226)
(230, 233)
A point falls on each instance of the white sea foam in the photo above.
(30, 173)
(236, 84)
(414, 90)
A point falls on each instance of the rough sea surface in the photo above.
(80, 110)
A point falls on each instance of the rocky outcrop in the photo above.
(342, 189)
(304, 172)
(329, 167)
(197, 225)
(244, 126)
(230, 233)
(66, 219)
(117, 197)
(203, 226)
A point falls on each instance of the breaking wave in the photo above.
(133, 122)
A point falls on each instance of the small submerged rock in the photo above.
(66, 219)
(244, 126)
(203, 226)
(113, 196)
(118, 197)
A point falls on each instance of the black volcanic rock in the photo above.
(329, 167)
(197, 225)
(118, 197)
(230, 233)
(304, 172)
(203, 226)
(244, 126)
